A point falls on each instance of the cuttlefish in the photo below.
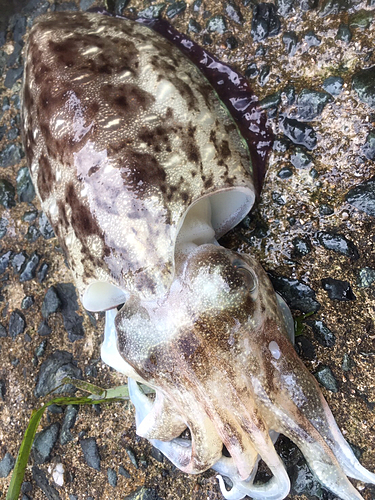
(141, 169)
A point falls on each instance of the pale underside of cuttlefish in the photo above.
(140, 169)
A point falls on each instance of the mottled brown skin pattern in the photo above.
(122, 134)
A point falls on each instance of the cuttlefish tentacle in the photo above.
(180, 453)
(298, 410)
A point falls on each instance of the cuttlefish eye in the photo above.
(249, 277)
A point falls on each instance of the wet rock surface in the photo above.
(320, 180)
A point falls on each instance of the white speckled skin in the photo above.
(124, 137)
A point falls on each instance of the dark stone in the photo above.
(27, 302)
(13, 74)
(3, 129)
(197, 5)
(285, 173)
(175, 8)
(91, 371)
(25, 188)
(301, 246)
(4, 261)
(132, 457)
(44, 442)
(290, 41)
(41, 349)
(297, 294)
(326, 210)
(29, 270)
(30, 216)
(362, 197)
(326, 378)
(2, 391)
(270, 101)
(55, 409)
(264, 74)
(363, 82)
(112, 477)
(311, 39)
(51, 302)
(32, 234)
(42, 273)
(217, 24)
(11, 155)
(234, 13)
(41, 481)
(306, 5)
(322, 333)
(124, 472)
(3, 331)
(157, 454)
(44, 329)
(251, 70)
(18, 261)
(152, 12)
(194, 26)
(366, 277)
(91, 452)
(7, 194)
(6, 465)
(26, 487)
(231, 43)
(338, 289)
(265, 22)
(369, 146)
(333, 85)
(72, 321)
(58, 365)
(338, 243)
(300, 159)
(343, 33)
(299, 133)
(347, 363)
(17, 324)
(311, 103)
(70, 417)
(143, 493)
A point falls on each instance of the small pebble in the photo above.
(17, 324)
(343, 33)
(217, 24)
(338, 243)
(333, 85)
(362, 197)
(91, 452)
(265, 22)
(338, 289)
(7, 194)
(112, 477)
(44, 442)
(6, 465)
(326, 378)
